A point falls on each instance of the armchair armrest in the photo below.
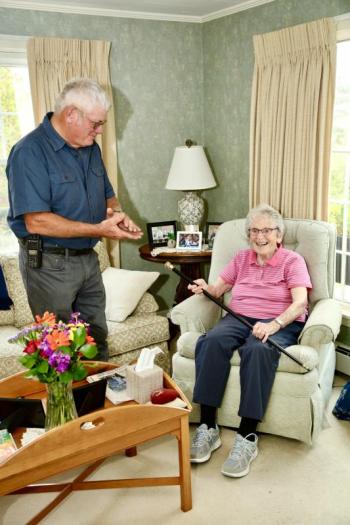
(323, 325)
(195, 314)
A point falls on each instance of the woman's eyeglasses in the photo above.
(264, 231)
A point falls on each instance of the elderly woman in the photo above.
(269, 288)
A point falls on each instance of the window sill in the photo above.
(345, 310)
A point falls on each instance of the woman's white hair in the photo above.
(83, 93)
(268, 211)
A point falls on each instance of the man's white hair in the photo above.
(83, 93)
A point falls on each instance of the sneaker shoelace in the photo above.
(239, 446)
(201, 437)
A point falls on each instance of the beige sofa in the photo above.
(297, 404)
(143, 328)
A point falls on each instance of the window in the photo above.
(339, 196)
(16, 120)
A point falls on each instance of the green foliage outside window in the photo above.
(15, 121)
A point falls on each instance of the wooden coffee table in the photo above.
(117, 428)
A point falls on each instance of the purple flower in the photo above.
(45, 349)
(59, 361)
(74, 318)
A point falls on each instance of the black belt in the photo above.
(66, 251)
(57, 250)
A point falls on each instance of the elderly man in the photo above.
(61, 204)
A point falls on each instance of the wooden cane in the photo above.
(280, 348)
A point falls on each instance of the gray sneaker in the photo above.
(242, 454)
(203, 443)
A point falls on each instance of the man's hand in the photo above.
(126, 223)
(118, 225)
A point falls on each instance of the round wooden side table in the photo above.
(190, 265)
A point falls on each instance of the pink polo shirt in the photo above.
(263, 292)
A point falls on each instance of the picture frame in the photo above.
(210, 231)
(159, 233)
(189, 241)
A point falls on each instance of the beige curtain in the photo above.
(291, 119)
(54, 61)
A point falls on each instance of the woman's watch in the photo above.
(279, 322)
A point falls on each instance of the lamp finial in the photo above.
(189, 143)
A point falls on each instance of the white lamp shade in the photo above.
(190, 170)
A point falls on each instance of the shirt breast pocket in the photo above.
(65, 187)
(68, 178)
(62, 177)
(96, 183)
(97, 171)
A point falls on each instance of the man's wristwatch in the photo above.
(279, 322)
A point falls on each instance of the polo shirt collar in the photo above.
(56, 140)
(274, 261)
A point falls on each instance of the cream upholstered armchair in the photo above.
(297, 404)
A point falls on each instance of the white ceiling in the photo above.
(180, 10)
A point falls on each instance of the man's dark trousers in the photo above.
(66, 284)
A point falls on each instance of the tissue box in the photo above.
(140, 385)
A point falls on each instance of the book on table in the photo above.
(116, 389)
(120, 370)
(7, 445)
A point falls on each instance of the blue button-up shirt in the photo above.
(45, 174)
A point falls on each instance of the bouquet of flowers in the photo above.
(53, 349)
(53, 352)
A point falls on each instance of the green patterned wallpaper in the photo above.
(174, 81)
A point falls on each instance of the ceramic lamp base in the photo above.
(191, 228)
(191, 210)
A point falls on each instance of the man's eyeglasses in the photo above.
(264, 231)
(93, 123)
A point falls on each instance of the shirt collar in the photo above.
(56, 140)
(274, 261)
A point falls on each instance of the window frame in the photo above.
(13, 53)
(13, 50)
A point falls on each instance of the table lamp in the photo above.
(190, 171)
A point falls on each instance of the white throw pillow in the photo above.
(124, 289)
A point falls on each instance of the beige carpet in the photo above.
(289, 484)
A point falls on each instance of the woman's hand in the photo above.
(263, 330)
(198, 287)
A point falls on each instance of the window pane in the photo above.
(337, 180)
(336, 212)
(16, 120)
(341, 118)
(339, 190)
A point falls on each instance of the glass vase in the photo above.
(60, 406)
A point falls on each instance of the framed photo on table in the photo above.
(159, 233)
(210, 232)
(189, 241)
